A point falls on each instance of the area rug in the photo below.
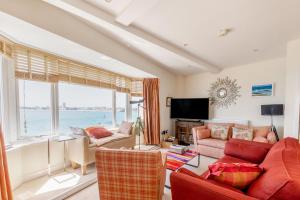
(175, 161)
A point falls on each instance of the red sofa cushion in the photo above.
(226, 159)
(238, 175)
(98, 132)
(281, 179)
(254, 152)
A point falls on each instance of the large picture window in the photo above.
(83, 106)
(34, 108)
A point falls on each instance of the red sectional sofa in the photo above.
(280, 179)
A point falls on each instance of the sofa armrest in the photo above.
(254, 152)
(200, 132)
(78, 150)
(185, 187)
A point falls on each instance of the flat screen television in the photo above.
(195, 108)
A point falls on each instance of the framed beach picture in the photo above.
(262, 90)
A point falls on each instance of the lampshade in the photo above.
(272, 109)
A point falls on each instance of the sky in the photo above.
(38, 94)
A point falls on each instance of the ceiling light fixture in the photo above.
(108, 1)
(185, 44)
(224, 32)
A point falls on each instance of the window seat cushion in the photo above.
(102, 141)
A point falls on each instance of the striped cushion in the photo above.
(238, 175)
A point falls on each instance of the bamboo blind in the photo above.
(32, 64)
(6, 47)
(136, 87)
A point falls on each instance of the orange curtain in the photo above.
(151, 111)
(5, 187)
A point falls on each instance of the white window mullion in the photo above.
(128, 108)
(54, 108)
(114, 110)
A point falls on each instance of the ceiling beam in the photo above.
(107, 22)
(135, 9)
(61, 23)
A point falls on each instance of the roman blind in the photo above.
(6, 47)
(137, 88)
(32, 64)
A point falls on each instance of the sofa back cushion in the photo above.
(281, 179)
(219, 132)
(253, 152)
(125, 128)
(242, 133)
(261, 131)
(209, 125)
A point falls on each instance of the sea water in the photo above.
(38, 122)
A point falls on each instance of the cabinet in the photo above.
(183, 131)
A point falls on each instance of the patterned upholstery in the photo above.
(130, 175)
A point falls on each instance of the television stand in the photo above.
(189, 120)
(183, 131)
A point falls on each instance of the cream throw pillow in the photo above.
(125, 128)
(242, 133)
(219, 132)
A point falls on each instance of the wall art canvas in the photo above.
(262, 90)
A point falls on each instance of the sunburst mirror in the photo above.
(224, 92)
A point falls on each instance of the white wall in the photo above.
(247, 107)
(31, 161)
(292, 94)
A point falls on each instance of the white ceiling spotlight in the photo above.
(224, 32)
(108, 1)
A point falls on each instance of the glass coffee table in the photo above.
(177, 161)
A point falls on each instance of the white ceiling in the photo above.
(30, 35)
(158, 29)
(264, 25)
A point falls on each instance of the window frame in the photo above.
(17, 97)
(54, 108)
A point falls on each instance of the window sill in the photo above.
(26, 142)
(34, 140)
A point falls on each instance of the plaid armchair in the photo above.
(130, 175)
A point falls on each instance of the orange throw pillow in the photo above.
(98, 132)
(238, 175)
